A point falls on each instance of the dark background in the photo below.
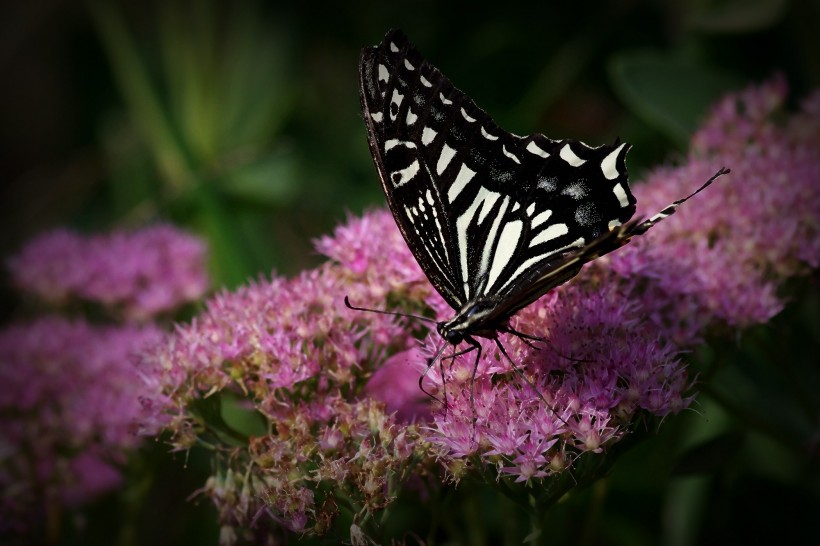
(241, 121)
(123, 112)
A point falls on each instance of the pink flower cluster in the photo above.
(137, 274)
(301, 357)
(311, 367)
(723, 256)
(614, 332)
(69, 397)
(602, 365)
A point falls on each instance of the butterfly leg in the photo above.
(474, 345)
(528, 338)
(527, 380)
(436, 357)
(440, 359)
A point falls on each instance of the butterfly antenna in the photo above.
(383, 312)
(644, 226)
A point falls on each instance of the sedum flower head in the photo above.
(344, 425)
(300, 358)
(69, 397)
(721, 258)
(137, 274)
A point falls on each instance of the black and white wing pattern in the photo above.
(490, 216)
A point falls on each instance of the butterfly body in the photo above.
(478, 318)
(494, 219)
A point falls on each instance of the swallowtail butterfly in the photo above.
(494, 219)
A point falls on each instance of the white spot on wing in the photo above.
(425, 82)
(489, 201)
(441, 238)
(530, 209)
(613, 224)
(504, 250)
(429, 196)
(393, 142)
(384, 75)
(569, 156)
(444, 99)
(487, 135)
(467, 116)
(462, 223)
(411, 117)
(394, 48)
(444, 159)
(405, 175)
(395, 99)
(377, 116)
(532, 147)
(555, 230)
(541, 257)
(508, 154)
(408, 65)
(609, 164)
(540, 218)
(619, 192)
(465, 174)
(490, 241)
(427, 136)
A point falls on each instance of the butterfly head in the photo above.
(477, 318)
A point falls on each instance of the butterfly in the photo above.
(495, 220)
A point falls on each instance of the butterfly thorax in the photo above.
(476, 318)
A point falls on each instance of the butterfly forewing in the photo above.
(486, 213)
(412, 194)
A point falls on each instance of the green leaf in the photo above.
(737, 15)
(240, 416)
(669, 94)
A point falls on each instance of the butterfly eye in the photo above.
(452, 336)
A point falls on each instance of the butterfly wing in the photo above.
(413, 193)
(481, 209)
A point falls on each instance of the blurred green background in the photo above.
(241, 121)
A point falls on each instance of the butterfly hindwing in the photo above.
(486, 213)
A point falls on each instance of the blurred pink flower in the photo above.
(69, 397)
(139, 274)
(396, 383)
